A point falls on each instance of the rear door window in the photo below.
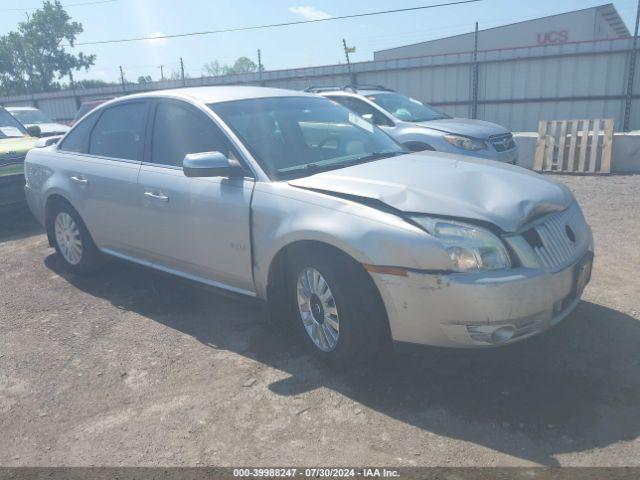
(119, 132)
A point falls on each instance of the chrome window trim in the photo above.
(101, 157)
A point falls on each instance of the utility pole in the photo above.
(161, 67)
(182, 72)
(260, 67)
(72, 83)
(632, 74)
(122, 79)
(348, 50)
(474, 79)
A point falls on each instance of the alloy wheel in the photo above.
(68, 238)
(318, 310)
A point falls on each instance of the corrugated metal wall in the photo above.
(517, 87)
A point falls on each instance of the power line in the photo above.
(66, 5)
(275, 25)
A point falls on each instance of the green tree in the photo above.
(91, 83)
(34, 58)
(143, 79)
(212, 69)
(241, 65)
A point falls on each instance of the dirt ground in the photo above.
(131, 367)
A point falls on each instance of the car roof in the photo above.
(348, 93)
(219, 94)
(20, 109)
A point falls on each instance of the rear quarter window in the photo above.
(77, 140)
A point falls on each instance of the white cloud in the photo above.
(310, 13)
(154, 41)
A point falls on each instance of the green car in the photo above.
(15, 142)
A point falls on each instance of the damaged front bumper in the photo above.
(480, 309)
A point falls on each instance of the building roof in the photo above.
(611, 16)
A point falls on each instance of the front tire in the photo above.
(72, 241)
(337, 307)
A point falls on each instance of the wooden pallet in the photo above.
(567, 146)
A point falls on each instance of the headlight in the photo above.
(470, 247)
(465, 143)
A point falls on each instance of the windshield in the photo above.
(30, 117)
(9, 126)
(298, 136)
(405, 108)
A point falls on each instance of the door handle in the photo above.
(80, 179)
(157, 196)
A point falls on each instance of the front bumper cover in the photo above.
(462, 309)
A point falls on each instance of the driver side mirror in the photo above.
(211, 164)
(34, 130)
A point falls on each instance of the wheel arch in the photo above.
(277, 276)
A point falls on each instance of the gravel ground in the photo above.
(131, 367)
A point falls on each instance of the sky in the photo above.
(285, 47)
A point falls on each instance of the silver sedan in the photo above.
(293, 199)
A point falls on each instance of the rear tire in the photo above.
(336, 306)
(72, 241)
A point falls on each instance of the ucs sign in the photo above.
(553, 37)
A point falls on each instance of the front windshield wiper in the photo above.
(377, 156)
(313, 168)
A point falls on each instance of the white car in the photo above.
(293, 199)
(29, 116)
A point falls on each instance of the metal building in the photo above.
(589, 24)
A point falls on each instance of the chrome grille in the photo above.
(503, 142)
(561, 238)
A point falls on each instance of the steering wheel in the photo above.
(324, 141)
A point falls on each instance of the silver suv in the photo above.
(293, 199)
(421, 127)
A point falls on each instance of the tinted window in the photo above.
(119, 132)
(179, 130)
(363, 108)
(77, 140)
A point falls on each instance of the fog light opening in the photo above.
(503, 334)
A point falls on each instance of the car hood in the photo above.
(465, 126)
(50, 128)
(449, 185)
(16, 146)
